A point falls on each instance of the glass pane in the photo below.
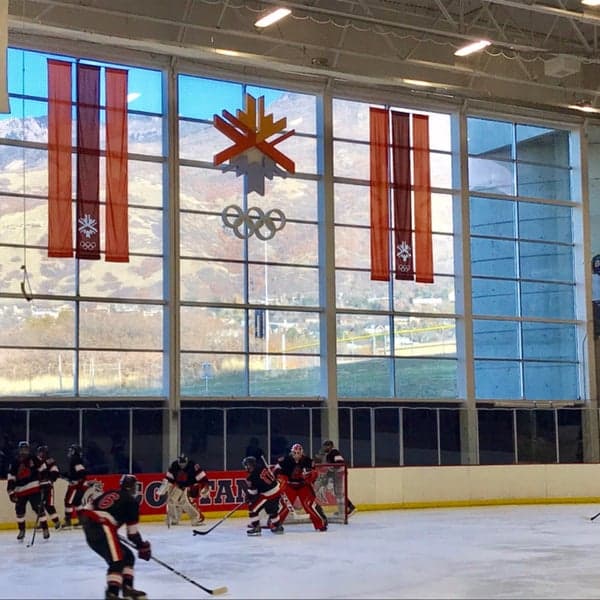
(205, 236)
(148, 427)
(212, 329)
(285, 285)
(208, 189)
(297, 243)
(496, 437)
(492, 217)
(201, 141)
(145, 134)
(387, 437)
(284, 332)
(145, 185)
(437, 297)
(491, 176)
(497, 380)
(548, 300)
(36, 372)
(57, 429)
(24, 170)
(536, 436)
(496, 339)
(351, 160)
(450, 436)
(419, 428)
(120, 373)
(241, 421)
(13, 429)
(365, 335)
(551, 381)
(361, 440)
(545, 222)
(284, 375)
(350, 119)
(355, 289)
(203, 281)
(364, 377)
(120, 326)
(570, 435)
(427, 336)
(289, 426)
(213, 374)
(426, 378)
(202, 436)
(298, 199)
(351, 204)
(201, 98)
(105, 440)
(546, 261)
(350, 244)
(549, 341)
(494, 297)
(492, 139)
(542, 145)
(493, 258)
(551, 183)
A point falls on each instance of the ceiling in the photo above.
(542, 54)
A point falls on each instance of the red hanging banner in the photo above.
(60, 203)
(380, 213)
(423, 232)
(401, 189)
(117, 231)
(88, 162)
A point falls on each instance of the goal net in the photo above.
(331, 489)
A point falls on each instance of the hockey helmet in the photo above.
(42, 451)
(328, 445)
(74, 450)
(182, 459)
(129, 483)
(297, 450)
(249, 463)
(23, 448)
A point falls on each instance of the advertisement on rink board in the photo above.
(227, 489)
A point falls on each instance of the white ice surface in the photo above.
(488, 552)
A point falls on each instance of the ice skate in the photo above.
(21, 535)
(254, 530)
(130, 593)
(46, 533)
(277, 529)
(108, 595)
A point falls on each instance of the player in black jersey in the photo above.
(263, 493)
(101, 519)
(333, 456)
(76, 477)
(47, 485)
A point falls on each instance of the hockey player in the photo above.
(185, 481)
(47, 485)
(333, 456)
(101, 518)
(296, 473)
(263, 493)
(76, 478)
(23, 486)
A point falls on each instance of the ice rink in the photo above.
(548, 551)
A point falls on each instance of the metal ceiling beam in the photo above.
(589, 18)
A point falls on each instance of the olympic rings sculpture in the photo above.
(247, 223)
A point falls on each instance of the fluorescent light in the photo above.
(418, 82)
(272, 17)
(591, 2)
(473, 47)
(584, 107)
(226, 52)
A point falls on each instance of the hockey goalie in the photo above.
(185, 481)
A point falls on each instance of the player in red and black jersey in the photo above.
(76, 477)
(263, 493)
(101, 519)
(47, 485)
(333, 456)
(23, 486)
(296, 473)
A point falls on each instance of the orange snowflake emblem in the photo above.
(252, 154)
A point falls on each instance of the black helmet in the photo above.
(182, 459)
(129, 484)
(42, 451)
(249, 463)
(74, 450)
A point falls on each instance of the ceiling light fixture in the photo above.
(584, 106)
(591, 2)
(472, 47)
(272, 17)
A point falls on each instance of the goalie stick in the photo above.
(205, 531)
(213, 591)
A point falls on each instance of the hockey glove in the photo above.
(310, 476)
(205, 491)
(144, 551)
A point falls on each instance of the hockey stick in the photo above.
(595, 516)
(198, 532)
(215, 592)
(35, 526)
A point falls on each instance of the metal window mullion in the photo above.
(438, 436)
(401, 435)
(351, 434)
(225, 441)
(269, 453)
(372, 431)
(515, 444)
(556, 437)
(131, 440)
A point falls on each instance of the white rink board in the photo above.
(546, 551)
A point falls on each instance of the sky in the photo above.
(548, 551)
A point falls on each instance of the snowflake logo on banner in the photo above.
(403, 252)
(88, 226)
(252, 154)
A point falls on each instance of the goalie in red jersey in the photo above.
(297, 474)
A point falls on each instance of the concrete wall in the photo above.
(414, 487)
